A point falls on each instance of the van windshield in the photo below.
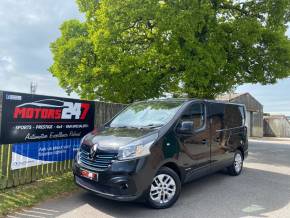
(146, 115)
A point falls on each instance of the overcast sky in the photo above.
(27, 27)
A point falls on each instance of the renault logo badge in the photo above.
(93, 151)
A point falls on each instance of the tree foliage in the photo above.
(138, 49)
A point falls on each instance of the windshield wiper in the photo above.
(151, 126)
(124, 127)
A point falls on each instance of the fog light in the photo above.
(124, 186)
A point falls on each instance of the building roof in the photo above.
(246, 98)
(229, 96)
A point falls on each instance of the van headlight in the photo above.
(78, 156)
(138, 148)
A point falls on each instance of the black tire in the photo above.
(233, 170)
(171, 174)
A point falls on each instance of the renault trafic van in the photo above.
(151, 148)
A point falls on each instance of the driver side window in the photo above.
(195, 113)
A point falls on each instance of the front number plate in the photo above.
(89, 175)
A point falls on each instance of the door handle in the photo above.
(204, 141)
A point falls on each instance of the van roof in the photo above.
(194, 99)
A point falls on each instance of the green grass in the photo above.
(28, 195)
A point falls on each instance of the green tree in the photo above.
(138, 49)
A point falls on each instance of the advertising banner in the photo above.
(34, 118)
(37, 153)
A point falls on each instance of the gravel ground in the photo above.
(262, 190)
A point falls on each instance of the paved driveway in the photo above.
(262, 190)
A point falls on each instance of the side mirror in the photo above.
(185, 127)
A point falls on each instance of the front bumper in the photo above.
(102, 191)
(123, 181)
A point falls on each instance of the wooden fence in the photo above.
(276, 126)
(10, 178)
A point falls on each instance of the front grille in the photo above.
(101, 161)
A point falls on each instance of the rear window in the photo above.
(243, 114)
(234, 116)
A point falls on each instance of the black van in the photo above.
(152, 147)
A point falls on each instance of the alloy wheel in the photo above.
(238, 163)
(163, 189)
